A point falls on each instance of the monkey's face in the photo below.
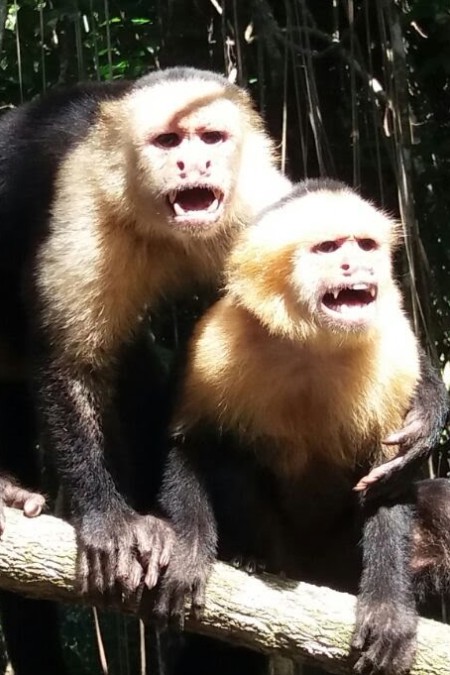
(187, 142)
(342, 271)
(340, 280)
(318, 263)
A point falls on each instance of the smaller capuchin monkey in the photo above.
(293, 380)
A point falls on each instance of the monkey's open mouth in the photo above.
(200, 203)
(350, 299)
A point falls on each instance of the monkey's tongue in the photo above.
(193, 200)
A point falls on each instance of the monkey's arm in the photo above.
(116, 544)
(185, 500)
(386, 619)
(420, 433)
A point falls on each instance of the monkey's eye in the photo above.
(212, 137)
(169, 140)
(326, 247)
(367, 244)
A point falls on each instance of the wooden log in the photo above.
(269, 614)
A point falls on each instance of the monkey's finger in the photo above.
(2, 518)
(108, 562)
(377, 473)
(177, 609)
(83, 572)
(359, 641)
(18, 497)
(160, 613)
(33, 505)
(166, 548)
(198, 600)
(131, 583)
(96, 580)
(363, 666)
(152, 571)
(149, 553)
(159, 537)
(410, 431)
(128, 572)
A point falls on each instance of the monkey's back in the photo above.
(34, 140)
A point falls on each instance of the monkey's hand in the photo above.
(117, 551)
(183, 581)
(415, 442)
(17, 497)
(384, 641)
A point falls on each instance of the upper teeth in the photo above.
(356, 287)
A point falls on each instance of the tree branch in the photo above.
(38, 556)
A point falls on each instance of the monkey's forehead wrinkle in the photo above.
(319, 216)
(159, 109)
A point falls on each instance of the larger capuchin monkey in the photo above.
(293, 380)
(113, 198)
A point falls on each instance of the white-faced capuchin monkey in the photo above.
(293, 380)
(113, 198)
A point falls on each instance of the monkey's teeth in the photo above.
(179, 211)
(365, 287)
(214, 205)
(335, 294)
(172, 196)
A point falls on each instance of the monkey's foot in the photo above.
(384, 641)
(183, 581)
(249, 565)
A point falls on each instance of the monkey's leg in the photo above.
(187, 503)
(386, 618)
(201, 485)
